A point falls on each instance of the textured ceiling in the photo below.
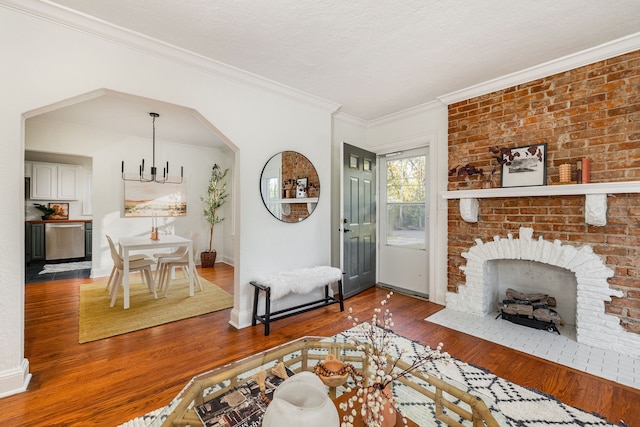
(375, 57)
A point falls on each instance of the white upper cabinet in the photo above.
(50, 181)
(68, 182)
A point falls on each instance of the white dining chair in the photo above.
(167, 264)
(141, 265)
(132, 258)
(162, 256)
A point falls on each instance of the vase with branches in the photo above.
(214, 199)
(372, 400)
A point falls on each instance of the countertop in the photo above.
(56, 221)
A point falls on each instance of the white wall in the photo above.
(50, 63)
(353, 131)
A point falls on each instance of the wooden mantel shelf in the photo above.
(546, 190)
(595, 197)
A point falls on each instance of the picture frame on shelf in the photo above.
(301, 187)
(525, 166)
(62, 210)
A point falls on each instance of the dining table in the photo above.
(135, 243)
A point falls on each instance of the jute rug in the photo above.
(511, 404)
(98, 320)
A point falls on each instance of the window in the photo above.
(406, 202)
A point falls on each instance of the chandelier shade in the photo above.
(153, 176)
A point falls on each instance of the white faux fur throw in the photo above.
(300, 281)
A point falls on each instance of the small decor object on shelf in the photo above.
(46, 210)
(524, 166)
(372, 398)
(301, 188)
(586, 171)
(289, 189)
(216, 197)
(579, 171)
(469, 170)
(565, 173)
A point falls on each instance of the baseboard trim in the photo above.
(14, 381)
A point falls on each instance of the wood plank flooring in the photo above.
(107, 382)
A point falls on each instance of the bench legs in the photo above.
(280, 314)
(266, 319)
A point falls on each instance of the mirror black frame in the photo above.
(289, 186)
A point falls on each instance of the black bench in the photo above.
(281, 284)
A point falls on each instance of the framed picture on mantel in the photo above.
(525, 166)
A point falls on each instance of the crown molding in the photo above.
(348, 118)
(607, 50)
(389, 118)
(406, 113)
(60, 15)
(403, 144)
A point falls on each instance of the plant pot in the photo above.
(208, 259)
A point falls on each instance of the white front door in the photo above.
(403, 221)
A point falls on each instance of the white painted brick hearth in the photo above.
(594, 327)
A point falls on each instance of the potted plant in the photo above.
(216, 197)
(47, 211)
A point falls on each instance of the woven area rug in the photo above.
(65, 266)
(98, 320)
(511, 404)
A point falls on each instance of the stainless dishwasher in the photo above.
(63, 240)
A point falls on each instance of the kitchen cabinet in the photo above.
(88, 239)
(34, 242)
(67, 182)
(51, 181)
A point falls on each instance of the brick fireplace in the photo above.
(479, 296)
(591, 112)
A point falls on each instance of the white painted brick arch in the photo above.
(593, 326)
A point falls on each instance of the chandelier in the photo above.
(153, 176)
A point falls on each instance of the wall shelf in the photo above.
(295, 200)
(546, 190)
(595, 197)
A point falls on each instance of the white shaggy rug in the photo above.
(65, 266)
(300, 281)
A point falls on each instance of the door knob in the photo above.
(346, 230)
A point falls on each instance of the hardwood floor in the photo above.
(107, 382)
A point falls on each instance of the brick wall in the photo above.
(295, 166)
(592, 112)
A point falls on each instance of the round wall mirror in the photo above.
(290, 186)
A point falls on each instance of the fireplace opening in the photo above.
(533, 310)
(531, 277)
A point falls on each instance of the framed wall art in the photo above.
(145, 199)
(62, 210)
(525, 166)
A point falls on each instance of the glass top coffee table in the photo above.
(422, 398)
